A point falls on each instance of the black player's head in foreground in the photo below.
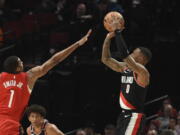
(141, 55)
(13, 65)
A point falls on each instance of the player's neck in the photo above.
(38, 126)
(37, 129)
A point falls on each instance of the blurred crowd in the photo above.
(53, 24)
(167, 118)
(165, 122)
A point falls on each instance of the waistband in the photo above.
(132, 111)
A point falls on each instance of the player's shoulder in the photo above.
(143, 69)
(50, 126)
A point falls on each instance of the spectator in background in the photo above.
(90, 129)
(80, 132)
(172, 125)
(2, 3)
(103, 8)
(164, 104)
(59, 9)
(115, 6)
(153, 127)
(80, 13)
(80, 22)
(46, 6)
(167, 132)
(165, 118)
(152, 132)
(110, 129)
(178, 125)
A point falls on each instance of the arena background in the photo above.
(81, 89)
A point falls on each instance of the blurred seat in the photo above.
(30, 23)
(13, 30)
(1, 37)
(59, 38)
(46, 19)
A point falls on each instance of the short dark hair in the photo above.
(146, 52)
(36, 109)
(10, 64)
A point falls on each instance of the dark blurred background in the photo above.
(82, 90)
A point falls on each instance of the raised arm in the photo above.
(39, 71)
(139, 69)
(106, 55)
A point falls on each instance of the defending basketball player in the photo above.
(39, 125)
(134, 82)
(16, 86)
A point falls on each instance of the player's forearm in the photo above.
(57, 58)
(60, 56)
(121, 45)
(130, 62)
(106, 54)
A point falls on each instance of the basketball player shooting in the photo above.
(16, 86)
(134, 82)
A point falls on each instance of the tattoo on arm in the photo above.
(108, 60)
(131, 63)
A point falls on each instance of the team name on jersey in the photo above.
(127, 79)
(12, 83)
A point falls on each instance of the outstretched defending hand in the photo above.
(84, 39)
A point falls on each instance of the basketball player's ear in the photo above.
(18, 69)
(142, 59)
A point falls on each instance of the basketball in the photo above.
(113, 20)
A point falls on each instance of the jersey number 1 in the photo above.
(11, 98)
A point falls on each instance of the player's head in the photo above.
(13, 65)
(36, 114)
(142, 55)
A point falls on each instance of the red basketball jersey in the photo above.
(14, 95)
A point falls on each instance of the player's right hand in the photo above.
(110, 35)
(85, 38)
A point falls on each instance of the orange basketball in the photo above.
(113, 20)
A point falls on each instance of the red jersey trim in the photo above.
(126, 102)
(137, 124)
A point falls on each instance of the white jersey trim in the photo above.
(131, 124)
(122, 105)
